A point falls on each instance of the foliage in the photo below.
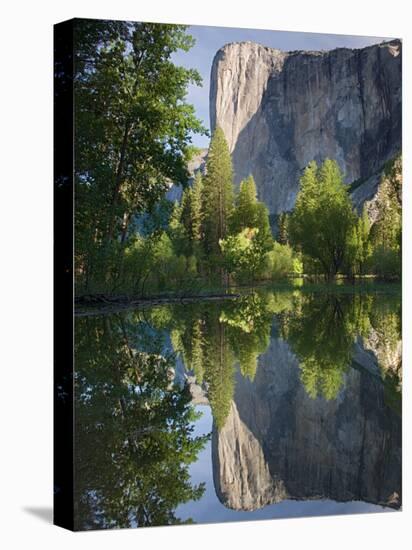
(283, 228)
(322, 332)
(217, 196)
(359, 247)
(192, 216)
(152, 265)
(249, 212)
(243, 254)
(323, 217)
(134, 429)
(133, 132)
(281, 261)
(386, 232)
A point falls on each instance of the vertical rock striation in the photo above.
(280, 443)
(279, 110)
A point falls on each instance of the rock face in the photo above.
(279, 443)
(197, 164)
(279, 110)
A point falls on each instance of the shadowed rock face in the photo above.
(279, 110)
(279, 443)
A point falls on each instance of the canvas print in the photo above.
(237, 217)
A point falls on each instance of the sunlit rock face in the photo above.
(279, 110)
(280, 443)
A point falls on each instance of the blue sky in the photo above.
(210, 39)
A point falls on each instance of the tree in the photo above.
(264, 236)
(359, 245)
(281, 262)
(323, 217)
(244, 214)
(243, 254)
(386, 232)
(217, 196)
(283, 228)
(177, 230)
(133, 130)
(249, 212)
(192, 215)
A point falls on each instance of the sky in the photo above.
(210, 39)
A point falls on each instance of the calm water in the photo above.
(273, 405)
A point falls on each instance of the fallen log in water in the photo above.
(99, 304)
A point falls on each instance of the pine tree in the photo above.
(191, 215)
(283, 229)
(244, 214)
(176, 230)
(217, 195)
(363, 227)
(264, 236)
(196, 208)
(251, 213)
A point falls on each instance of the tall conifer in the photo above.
(217, 195)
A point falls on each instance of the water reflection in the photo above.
(304, 390)
(133, 429)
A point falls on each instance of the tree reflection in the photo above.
(134, 428)
(213, 339)
(322, 332)
(134, 425)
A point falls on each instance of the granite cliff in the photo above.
(279, 443)
(279, 110)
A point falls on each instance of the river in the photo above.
(276, 404)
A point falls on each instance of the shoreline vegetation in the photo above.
(133, 143)
(100, 304)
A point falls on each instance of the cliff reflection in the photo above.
(305, 392)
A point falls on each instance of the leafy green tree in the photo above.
(323, 217)
(386, 232)
(133, 131)
(359, 247)
(249, 212)
(217, 196)
(264, 236)
(281, 261)
(243, 254)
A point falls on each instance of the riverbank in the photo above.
(97, 304)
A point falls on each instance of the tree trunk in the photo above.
(118, 184)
